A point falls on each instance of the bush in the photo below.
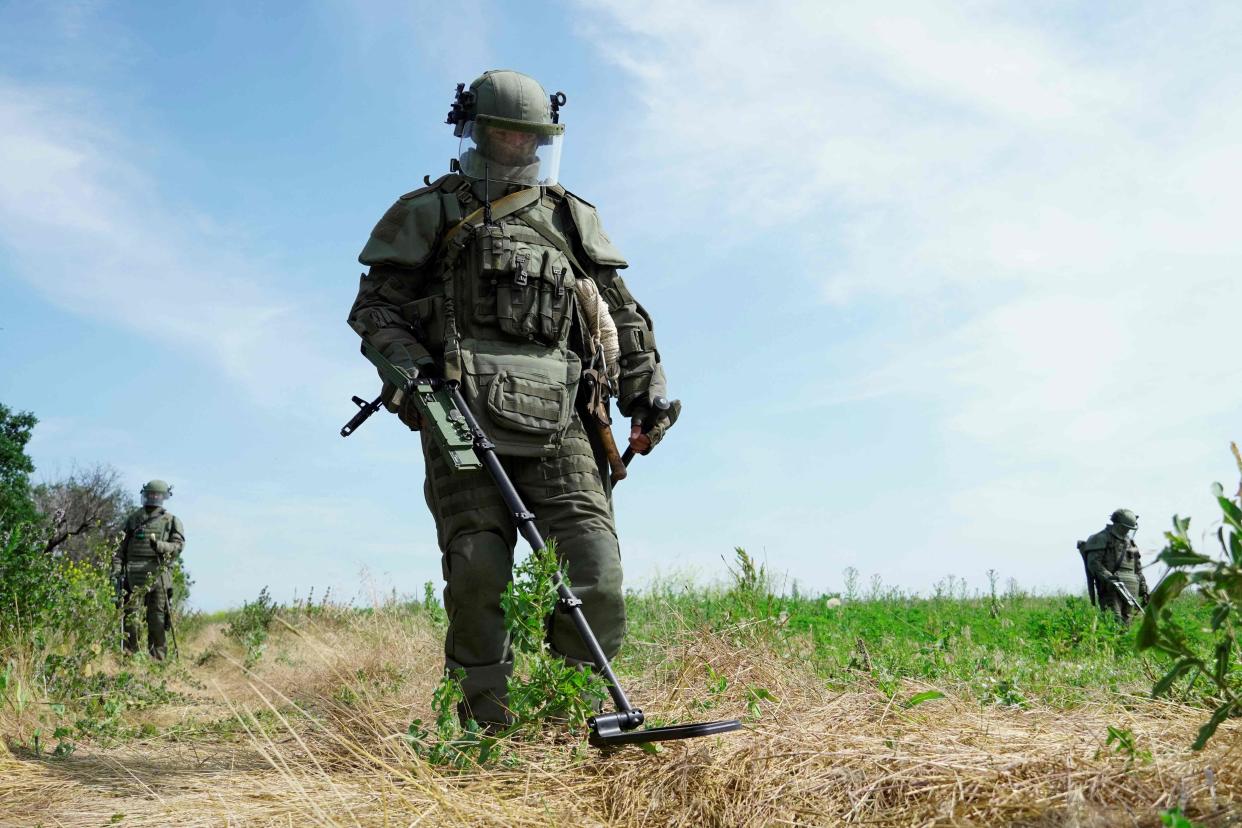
(543, 686)
(1219, 582)
(250, 625)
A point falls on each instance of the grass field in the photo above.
(887, 709)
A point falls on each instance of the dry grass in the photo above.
(323, 755)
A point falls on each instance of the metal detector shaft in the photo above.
(485, 449)
(172, 628)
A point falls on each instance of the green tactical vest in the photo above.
(499, 303)
(1118, 556)
(141, 528)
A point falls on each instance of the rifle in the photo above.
(1120, 586)
(436, 410)
(593, 408)
(440, 401)
(1091, 592)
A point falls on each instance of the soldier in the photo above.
(1113, 564)
(481, 276)
(142, 567)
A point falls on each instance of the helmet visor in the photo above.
(504, 149)
(153, 498)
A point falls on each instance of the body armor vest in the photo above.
(508, 308)
(144, 527)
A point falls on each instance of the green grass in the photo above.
(1009, 649)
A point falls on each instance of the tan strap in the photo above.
(501, 207)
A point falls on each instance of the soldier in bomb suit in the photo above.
(142, 567)
(484, 276)
(1115, 566)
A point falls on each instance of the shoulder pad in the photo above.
(407, 234)
(591, 233)
(1097, 541)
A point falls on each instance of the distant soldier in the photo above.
(1114, 568)
(142, 567)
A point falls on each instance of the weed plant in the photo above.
(1205, 657)
(1008, 649)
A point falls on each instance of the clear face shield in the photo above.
(518, 152)
(153, 498)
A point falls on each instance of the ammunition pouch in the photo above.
(522, 286)
(522, 394)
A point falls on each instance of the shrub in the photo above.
(1219, 582)
(249, 627)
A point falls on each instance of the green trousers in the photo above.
(1113, 601)
(147, 590)
(571, 502)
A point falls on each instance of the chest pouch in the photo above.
(523, 394)
(521, 285)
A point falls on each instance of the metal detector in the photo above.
(621, 727)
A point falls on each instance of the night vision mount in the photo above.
(462, 108)
(459, 112)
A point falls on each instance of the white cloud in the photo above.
(88, 228)
(1046, 199)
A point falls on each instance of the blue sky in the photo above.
(940, 286)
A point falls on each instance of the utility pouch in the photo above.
(522, 286)
(523, 394)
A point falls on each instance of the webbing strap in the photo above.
(453, 243)
(501, 207)
(535, 221)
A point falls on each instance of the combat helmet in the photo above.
(509, 127)
(155, 492)
(1124, 523)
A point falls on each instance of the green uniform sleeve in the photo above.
(640, 360)
(1095, 563)
(641, 372)
(1138, 571)
(376, 317)
(400, 252)
(170, 549)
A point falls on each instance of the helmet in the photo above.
(509, 128)
(1126, 518)
(155, 492)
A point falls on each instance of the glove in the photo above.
(663, 423)
(405, 408)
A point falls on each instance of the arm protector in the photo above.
(641, 372)
(378, 320)
(170, 549)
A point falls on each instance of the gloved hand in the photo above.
(404, 407)
(644, 441)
